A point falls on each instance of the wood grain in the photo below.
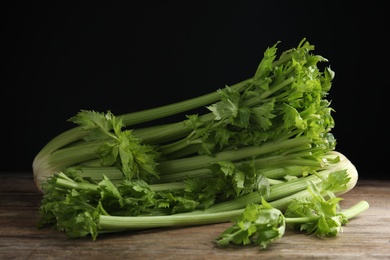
(364, 237)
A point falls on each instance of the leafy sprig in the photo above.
(262, 224)
(258, 224)
(121, 148)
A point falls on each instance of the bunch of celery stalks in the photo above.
(259, 154)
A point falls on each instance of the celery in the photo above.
(275, 81)
(264, 139)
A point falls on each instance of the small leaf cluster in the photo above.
(258, 224)
(121, 148)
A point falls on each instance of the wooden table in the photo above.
(365, 237)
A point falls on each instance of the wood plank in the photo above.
(365, 237)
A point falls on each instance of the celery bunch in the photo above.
(263, 139)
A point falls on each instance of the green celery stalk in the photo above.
(266, 138)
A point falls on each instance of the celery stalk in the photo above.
(266, 140)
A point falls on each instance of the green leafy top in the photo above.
(326, 214)
(285, 98)
(121, 148)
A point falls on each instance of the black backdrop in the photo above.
(59, 58)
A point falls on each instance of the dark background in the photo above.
(58, 58)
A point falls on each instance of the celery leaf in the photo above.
(258, 224)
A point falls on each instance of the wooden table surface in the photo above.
(366, 236)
